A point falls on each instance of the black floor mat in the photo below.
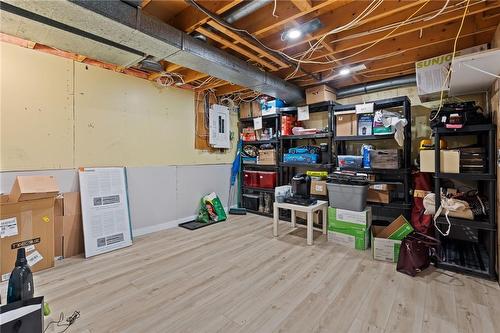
(193, 225)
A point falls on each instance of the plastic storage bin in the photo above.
(267, 179)
(350, 161)
(251, 201)
(350, 197)
(251, 178)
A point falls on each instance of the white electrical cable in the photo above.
(274, 8)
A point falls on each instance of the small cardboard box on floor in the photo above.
(386, 241)
(349, 228)
(68, 228)
(28, 223)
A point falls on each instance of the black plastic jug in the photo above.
(21, 280)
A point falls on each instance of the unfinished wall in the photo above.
(57, 113)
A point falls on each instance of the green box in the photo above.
(382, 130)
(349, 228)
(384, 249)
(354, 238)
(341, 218)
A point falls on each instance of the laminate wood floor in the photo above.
(234, 277)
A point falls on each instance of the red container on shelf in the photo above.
(267, 179)
(287, 123)
(251, 178)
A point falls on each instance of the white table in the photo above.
(309, 210)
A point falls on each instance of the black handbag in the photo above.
(416, 252)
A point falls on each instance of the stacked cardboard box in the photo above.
(27, 220)
(387, 240)
(350, 228)
(68, 229)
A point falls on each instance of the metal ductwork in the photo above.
(106, 29)
(246, 9)
(365, 88)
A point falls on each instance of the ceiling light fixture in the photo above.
(303, 29)
(345, 71)
(293, 33)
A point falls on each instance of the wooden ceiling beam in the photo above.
(302, 5)
(236, 48)
(229, 89)
(286, 15)
(429, 37)
(343, 16)
(409, 57)
(346, 45)
(240, 40)
(191, 18)
(144, 3)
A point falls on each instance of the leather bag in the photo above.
(416, 252)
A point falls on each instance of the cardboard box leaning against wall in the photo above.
(68, 229)
(28, 223)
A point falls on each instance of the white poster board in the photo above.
(105, 213)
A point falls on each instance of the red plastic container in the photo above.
(267, 179)
(251, 178)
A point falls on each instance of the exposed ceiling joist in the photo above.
(242, 41)
(236, 48)
(191, 18)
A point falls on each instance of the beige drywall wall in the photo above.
(57, 113)
(36, 111)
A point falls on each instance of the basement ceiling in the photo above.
(387, 41)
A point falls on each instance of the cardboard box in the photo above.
(68, 236)
(245, 110)
(318, 187)
(256, 109)
(28, 224)
(383, 187)
(365, 124)
(449, 159)
(349, 228)
(267, 157)
(379, 196)
(386, 241)
(319, 94)
(384, 249)
(33, 187)
(398, 229)
(346, 124)
(68, 227)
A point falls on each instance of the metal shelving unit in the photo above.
(400, 176)
(477, 258)
(273, 121)
(288, 169)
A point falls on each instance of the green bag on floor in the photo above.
(211, 209)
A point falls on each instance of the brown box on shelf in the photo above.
(33, 187)
(379, 196)
(449, 160)
(245, 110)
(320, 93)
(318, 187)
(256, 110)
(385, 158)
(346, 124)
(68, 228)
(267, 157)
(28, 224)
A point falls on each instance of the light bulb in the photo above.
(344, 71)
(294, 33)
